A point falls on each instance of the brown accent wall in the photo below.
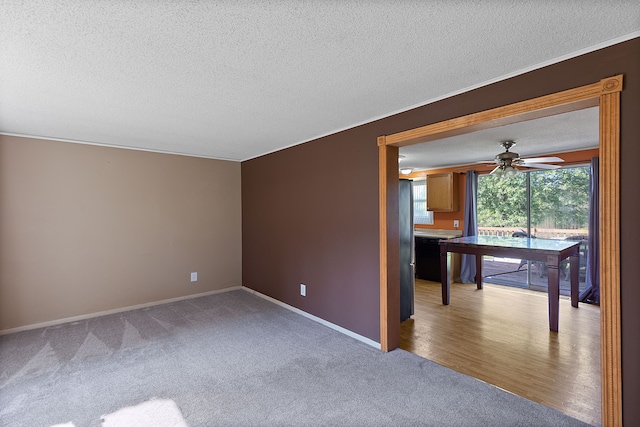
(310, 211)
(86, 229)
(310, 215)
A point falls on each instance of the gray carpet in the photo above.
(234, 359)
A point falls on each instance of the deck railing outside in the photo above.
(543, 233)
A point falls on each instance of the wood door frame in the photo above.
(606, 95)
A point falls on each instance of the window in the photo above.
(420, 213)
(548, 204)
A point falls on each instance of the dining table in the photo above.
(546, 251)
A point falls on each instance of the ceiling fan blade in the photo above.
(541, 160)
(495, 170)
(539, 166)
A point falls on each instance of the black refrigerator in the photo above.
(407, 272)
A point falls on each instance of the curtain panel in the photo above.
(468, 262)
(591, 294)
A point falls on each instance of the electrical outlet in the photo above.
(456, 223)
(194, 276)
(303, 290)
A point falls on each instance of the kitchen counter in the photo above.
(437, 233)
(427, 252)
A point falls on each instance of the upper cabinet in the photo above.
(442, 192)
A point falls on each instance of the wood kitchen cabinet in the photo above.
(443, 192)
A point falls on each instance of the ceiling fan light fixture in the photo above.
(505, 171)
(406, 171)
(509, 171)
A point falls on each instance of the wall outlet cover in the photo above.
(194, 276)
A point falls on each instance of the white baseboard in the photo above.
(316, 319)
(186, 297)
(114, 311)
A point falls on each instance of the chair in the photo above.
(583, 251)
(541, 267)
(522, 233)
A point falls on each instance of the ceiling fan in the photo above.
(508, 161)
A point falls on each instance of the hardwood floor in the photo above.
(501, 335)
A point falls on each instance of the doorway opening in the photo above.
(606, 95)
(500, 334)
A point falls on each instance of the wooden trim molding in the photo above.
(610, 350)
(389, 248)
(606, 95)
(611, 85)
(550, 105)
(382, 200)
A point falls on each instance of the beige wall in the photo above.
(85, 229)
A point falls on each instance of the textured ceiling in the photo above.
(238, 79)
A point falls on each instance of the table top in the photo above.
(513, 242)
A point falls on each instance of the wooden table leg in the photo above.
(479, 271)
(574, 265)
(553, 283)
(444, 275)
